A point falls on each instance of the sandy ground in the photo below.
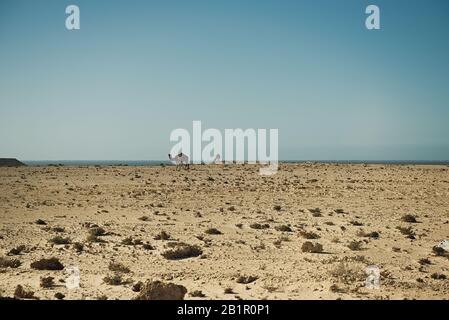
(354, 202)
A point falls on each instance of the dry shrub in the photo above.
(21, 293)
(97, 231)
(9, 263)
(246, 279)
(60, 240)
(259, 226)
(355, 245)
(439, 251)
(118, 267)
(407, 231)
(348, 274)
(228, 291)
(157, 290)
(197, 294)
(312, 248)
(409, 218)
(182, 251)
(40, 222)
(438, 276)
(79, 247)
(116, 280)
(58, 229)
(212, 231)
(17, 250)
(162, 236)
(47, 264)
(47, 282)
(283, 228)
(308, 235)
(59, 295)
(137, 286)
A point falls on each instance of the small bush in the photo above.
(79, 247)
(9, 263)
(115, 280)
(246, 279)
(118, 267)
(312, 248)
(128, 241)
(407, 231)
(438, 276)
(439, 251)
(373, 235)
(59, 295)
(97, 231)
(228, 291)
(21, 293)
(157, 290)
(277, 207)
(212, 231)
(283, 228)
(355, 245)
(16, 251)
(162, 236)
(137, 286)
(197, 294)
(309, 235)
(259, 226)
(182, 251)
(93, 238)
(40, 222)
(47, 282)
(424, 261)
(60, 240)
(409, 218)
(58, 229)
(47, 264)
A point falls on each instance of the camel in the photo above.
(181, 160)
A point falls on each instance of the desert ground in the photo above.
(226, 232)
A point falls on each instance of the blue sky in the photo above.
(139, 69)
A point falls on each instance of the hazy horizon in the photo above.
(136, 70)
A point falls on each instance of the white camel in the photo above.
(181, 160)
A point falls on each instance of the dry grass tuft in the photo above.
(182, 251)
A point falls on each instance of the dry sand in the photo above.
(140, 202)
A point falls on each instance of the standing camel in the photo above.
(181, 160)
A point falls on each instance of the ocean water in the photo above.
(166, 162)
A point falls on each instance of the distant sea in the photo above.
(166, 162)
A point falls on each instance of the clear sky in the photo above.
(139, 69)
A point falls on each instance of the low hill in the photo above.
(10, 162)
